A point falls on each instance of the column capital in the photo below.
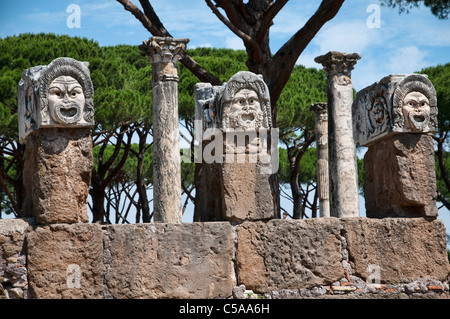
(338, 63)
(164, 54)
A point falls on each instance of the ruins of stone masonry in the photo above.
(55, 114)
(321, 130)
(55, 253)
(343, 171)
(395, 118)
(235, 150)
(164, 54)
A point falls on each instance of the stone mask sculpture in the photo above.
(60, 94)
(65, 100)
(244, 103)
(415, 105)
(399, 103)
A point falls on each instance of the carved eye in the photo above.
(251, 101)
(241, 102)
(73, 94)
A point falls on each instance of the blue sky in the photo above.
(403, 43)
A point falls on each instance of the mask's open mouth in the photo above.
(248, 117)
(69, 112)
(419, 118)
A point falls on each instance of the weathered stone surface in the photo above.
(398, 103)
(8, 227)
(65, 261)
(405, 249)
(13, 269)
(400, 177)
(164, 54)
(60, 94)
(288, 254)
(246, 192)
(343, 173)
(234, 147)
(57, 175)
(321, 131)
(169, 261)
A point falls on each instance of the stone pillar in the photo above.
(164, 54)
(237, 149)
(321, 115)
(395, 118)
(55, 114)
(343, 172)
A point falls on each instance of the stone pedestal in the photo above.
(164, 54)
(323, 185)
(236, 153)
(55, 115)
(395, 118)
(343, 172)
(57, 175)
(400, 177)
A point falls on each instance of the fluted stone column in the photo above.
(343, 172)
(323, 185)
(164, 54)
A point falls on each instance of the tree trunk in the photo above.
(140, 182)
(98, 198)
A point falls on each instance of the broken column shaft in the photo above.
(343, 172)
(323, 184)
(164, 54)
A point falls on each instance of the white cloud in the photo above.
(235, 43)
(348, 36)
(406, 59)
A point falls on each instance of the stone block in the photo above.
(401, 249)
(10, 227)
(288, 254)
(57, 175)
(400, 177)
(242, 154)
(399, 103)
(246, 192)
(60, 94)
(169, 261)
(65, 261)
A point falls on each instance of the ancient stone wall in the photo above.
(319, 258)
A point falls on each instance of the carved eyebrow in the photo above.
(54, 87)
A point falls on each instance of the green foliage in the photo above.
(128, 172)
(121, 77)
(223, 63)
(308, 166)
(439, 8)
(305, 87)
(440, 77)
(122, 82)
